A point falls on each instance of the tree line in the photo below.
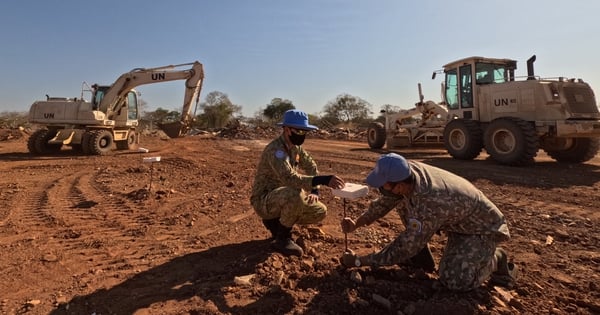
(217, 111)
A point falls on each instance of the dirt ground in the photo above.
(117, 235)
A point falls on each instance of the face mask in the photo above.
(296, 139)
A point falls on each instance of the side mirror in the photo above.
(433, 75)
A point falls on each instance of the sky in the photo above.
(307, 51)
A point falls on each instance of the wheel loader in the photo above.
(485, 106)
(109, 120)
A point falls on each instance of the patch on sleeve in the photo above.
(280, 154)
(415, 225)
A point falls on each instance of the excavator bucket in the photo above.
(174, 129)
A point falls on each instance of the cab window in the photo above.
(486, 73)
(451, 89)
(132, 113)
(466, 90)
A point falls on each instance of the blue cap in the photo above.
(296, 119)
(390, 167)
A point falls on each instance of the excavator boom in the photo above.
(113, 100)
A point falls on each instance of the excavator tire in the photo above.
(38, 142)
(463, 139)
(511, 141)
(376, 135)
(101, 142)
(85, 143)
(580, 150)
(130, 143)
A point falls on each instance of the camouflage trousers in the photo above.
(290, 206)
(468, 261)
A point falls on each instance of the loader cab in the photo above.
(463, 77)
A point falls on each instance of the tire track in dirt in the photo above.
(27, 205)
(59, 207)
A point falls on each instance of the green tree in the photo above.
(218, 110)
(161, 115)
(347, 108)
(278, 106)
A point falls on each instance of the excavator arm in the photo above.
(113, 100)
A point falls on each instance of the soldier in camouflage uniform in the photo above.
(283, 196)
(430, 200)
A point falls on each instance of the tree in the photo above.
(218, 110)
(278, 106)
(388, 108)
(161, 115)
(347, 108)
(13, 119)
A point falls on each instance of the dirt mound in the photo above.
(7, 134)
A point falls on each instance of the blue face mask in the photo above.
(297, 139)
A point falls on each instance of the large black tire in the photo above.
(86, 145)
(463, 139)
(101, 142)
(511, 141)
(376, 135)
(129, 144)
(38, 142)
(580, 150)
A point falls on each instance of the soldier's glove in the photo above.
(321, 180)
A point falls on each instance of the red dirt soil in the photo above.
(116, 235)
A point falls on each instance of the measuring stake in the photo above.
(151, 160)
(345, 233)
(350, 191)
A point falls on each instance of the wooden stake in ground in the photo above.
(350, 191)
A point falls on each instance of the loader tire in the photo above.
(463, 139)
(129, 144)
(579, 151)
(376, 135)
(101, 142)
(511, 141)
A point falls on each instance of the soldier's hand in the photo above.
(348, 225)
(336, 182)
(312, 198)
(349, 259)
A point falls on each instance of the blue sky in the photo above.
(307, 51)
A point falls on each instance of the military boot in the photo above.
(272, 225)
(284, 243)
(506, 272)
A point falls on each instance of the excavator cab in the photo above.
(128, 113)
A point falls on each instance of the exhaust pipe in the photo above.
(530, 74)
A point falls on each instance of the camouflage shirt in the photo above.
(441, 201)
(280, 167)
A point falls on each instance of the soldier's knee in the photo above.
(320, 215)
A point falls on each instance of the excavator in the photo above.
(112, 115)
